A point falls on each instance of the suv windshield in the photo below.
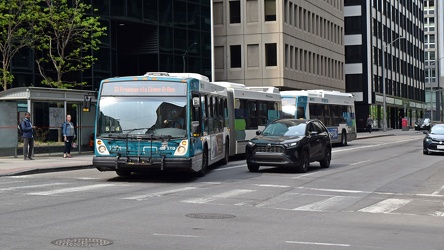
(283, 128)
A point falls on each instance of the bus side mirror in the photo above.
(195, 128)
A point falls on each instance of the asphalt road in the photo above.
(379, 193)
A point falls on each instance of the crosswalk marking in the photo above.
(227, 194)
(385, 206)
(71, 190)
(328, 204)
(31, 186)
(158, 194)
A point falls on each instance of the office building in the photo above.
(290, 44)
(385, 36)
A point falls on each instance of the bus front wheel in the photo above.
(204, 168)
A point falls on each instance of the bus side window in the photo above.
(196, 123)
(252, 115)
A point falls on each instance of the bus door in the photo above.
(196, 127)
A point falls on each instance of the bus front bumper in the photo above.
(140, 163)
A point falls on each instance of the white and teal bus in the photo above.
(161, 121)
(335, 109)
(249, 109)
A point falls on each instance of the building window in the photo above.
(218, 13)
(270, 54)
(353, 54)
(253, 55)
(270, 10)
(353, 25)
(235, 54)
(235, 16)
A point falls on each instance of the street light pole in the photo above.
(185, 54)
(384, 102)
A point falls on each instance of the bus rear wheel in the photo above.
(344, 138)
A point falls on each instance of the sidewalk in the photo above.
(11, 166)
(42, 163)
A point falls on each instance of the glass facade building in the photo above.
(142, 36)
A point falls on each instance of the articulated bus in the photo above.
(161, 121)
(335, 109)
(249, 109)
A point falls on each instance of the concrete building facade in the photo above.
(290, 44)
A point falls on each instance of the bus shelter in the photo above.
(48, 108)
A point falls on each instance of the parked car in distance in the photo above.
(423, 124)
(434, 140)
(292, 143)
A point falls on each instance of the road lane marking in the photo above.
(304, 175)
(278, 199)
(31, 186)
(328, 204)
(385, 206)
(371, 146)
(318, 243)
(179, 235)
(270, 185)
(72, 190)
(227, 194)
(337, 190)
(158, 194)
(438, 191)
(359, 162)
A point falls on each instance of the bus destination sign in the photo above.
(142, 88)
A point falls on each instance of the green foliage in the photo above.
(67, 37)
(17, 19)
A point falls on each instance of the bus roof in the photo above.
(163, 75)
(317, 93)
(263, 89)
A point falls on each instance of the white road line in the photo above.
(371, 146)
(227, 194)
(278, 199)
(71, 190)
(385, 206)
(337, 190)
(178, 235)
(158, 194)
(11, 182)
(31, 186)
(438, 191)
(359, 162)
(270, 185)
(318, 243)
(326, 205)
(304, 175)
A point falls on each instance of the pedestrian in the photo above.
(369, 123)
(69, 135)
(28, 136)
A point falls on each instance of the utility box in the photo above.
(405, 125)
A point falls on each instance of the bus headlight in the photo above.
(101, 148)
(182, 148)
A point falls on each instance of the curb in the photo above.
(375, 136)
(46, 170)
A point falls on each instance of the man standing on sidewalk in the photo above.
(369, 123)
(28, 136)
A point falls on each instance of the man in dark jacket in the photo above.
(28, 136)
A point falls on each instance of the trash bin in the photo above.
(405, 125)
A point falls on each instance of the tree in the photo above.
(16, 32)
(67, 37)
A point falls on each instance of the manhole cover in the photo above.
(210, 216)
(82, 242)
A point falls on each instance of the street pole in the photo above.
(185, 54)
(384, 101)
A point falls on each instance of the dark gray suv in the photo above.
(290, 143)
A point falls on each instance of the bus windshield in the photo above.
(141, 115)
